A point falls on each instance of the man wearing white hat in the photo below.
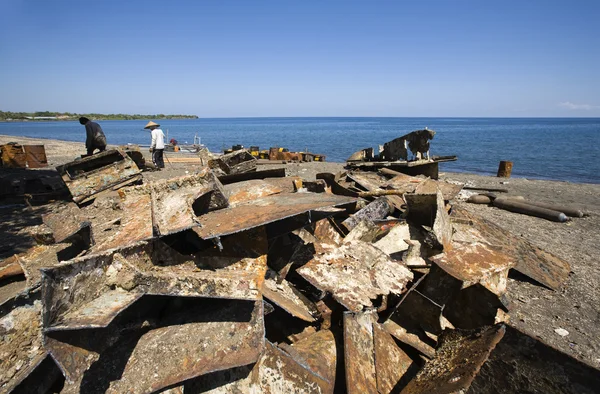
(157, 146)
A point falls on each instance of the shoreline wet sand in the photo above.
(534, 309)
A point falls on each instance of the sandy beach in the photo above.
(534, 309)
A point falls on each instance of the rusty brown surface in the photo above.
(173, 200)
(236, 162)
(21, 348)
(35, 155)
(36, 258)
(318, 351)
(429, 210)
(241, 192)
(355, 274)
(391, 362)
(93, 174)
(286, 184)
(413, 340)
(477, 263)
(132, 224)
(326, 234)
(87, 292)
(285, 295)
(263, 211)
(359, 352)
(458, 359)
(64, 221)
(532, 261)
(449, 190)
(272, 174)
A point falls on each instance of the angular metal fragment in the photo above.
(273, 173)
(365, 231)
(378, 209)
(477, 263)
(36, 258)
(285, 295)
(265, 210)
(458, 359)
(359, 352)
(429, 186)
(532, 261)
(355, 274)
(93, 174)
(413, 340)
(429, 210)
(391, 362)
(21, 349)
(91, 291)
(326, 234)
(66, 221)
(133, 224)
(241, 192)
(393, 243)
(318, 351)
(237, 162)
(177, 202)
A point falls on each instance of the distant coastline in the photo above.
(39, 116)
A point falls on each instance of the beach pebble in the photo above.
(562, 332)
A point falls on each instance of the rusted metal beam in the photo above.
(359, 352)
(246, 176)
(392, 364)
(265, 210)
(458, 359)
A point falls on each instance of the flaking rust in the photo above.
(531, 261)
(241, 192)
(458, 359)
(477, 263)
(359, 352)
(91, 175)
(264, 211)
(391, 362)
(177, 202)
(355, 274)
(285, 295)
(91, 291)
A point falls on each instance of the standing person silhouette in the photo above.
(94, 136)
(157, 146)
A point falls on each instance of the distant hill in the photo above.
(47, 115)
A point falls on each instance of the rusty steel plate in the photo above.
(241, 192)
(36, 258)
(413, 340)
(355, 274)
(359, 352)
(459, 357)
(64, 220)
(174, 200)
(283, 294)
(391, 362)
(88, 291)
(172, 354)
(91, 175)
(319, 352)
(531, 261)
(449, 190)
(265, 210)
(21, 347)
(477, 263)
(134, 223)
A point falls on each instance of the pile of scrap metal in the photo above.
(266, 285)
(280, 154)
(394, 155)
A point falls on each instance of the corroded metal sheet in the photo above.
(157, 346)
(134, 223)
(391, 362)
(263, 211)
(36, 258)
(326, 234)
(429, 210)
(93, 174)
(532, 261)
(241, 192)
(318, 351)
(359, 352)
(246, 176)
(413, 340)
(65, 220)
(355, 274)
(184, 351)
(449, 190)
(177, 202)
(378, 209)
(71, 291)
(21, 349)
(459, 357)
(283, 294)
(477, 263)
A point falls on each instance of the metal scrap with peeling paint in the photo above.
(359, 352)
(355, 274)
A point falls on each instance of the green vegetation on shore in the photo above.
(48, 115)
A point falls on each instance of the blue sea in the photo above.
(540, 148)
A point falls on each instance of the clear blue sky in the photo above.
(302, 58)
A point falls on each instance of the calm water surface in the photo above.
(549, 148)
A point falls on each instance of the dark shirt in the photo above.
(94, 136)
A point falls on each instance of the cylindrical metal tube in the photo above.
(572, 212)
(505, 169)
(531, 210)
